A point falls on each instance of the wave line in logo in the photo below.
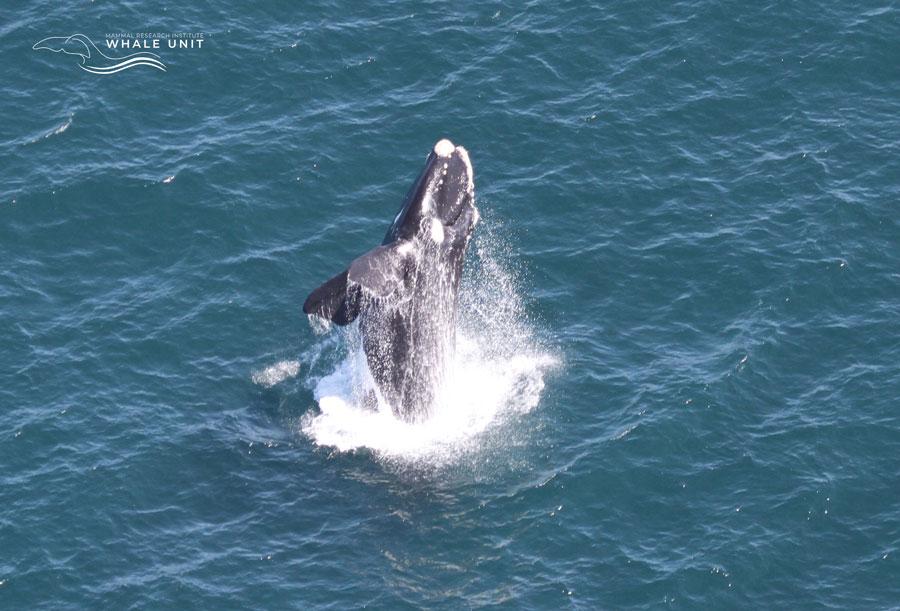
(93, 59)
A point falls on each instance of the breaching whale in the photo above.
(405, 291)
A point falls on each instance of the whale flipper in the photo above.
(331, 301)
(379, 273)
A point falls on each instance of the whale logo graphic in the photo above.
(92, 59)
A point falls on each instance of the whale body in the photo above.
(405, 291)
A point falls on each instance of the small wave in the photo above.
(53, 132)
(274, 374)
(61, 128)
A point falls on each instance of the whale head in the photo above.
(443, 190)
(70, 45)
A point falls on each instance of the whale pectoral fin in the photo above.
(334, 301)
(381, 272)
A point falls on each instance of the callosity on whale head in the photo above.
(405, 291)
(444, 188)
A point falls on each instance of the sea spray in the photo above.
(497, 369)
(274, 374)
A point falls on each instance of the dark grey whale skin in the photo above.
(405, 291)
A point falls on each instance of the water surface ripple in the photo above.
(695, 204)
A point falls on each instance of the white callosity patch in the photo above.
(443, 148)
(464, 155)
(437, 231)
(406, 249)
(427, 203)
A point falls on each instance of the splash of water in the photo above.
(274, 374)
(497, 370)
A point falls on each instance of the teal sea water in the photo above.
(678, 373)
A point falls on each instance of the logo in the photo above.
(92, 59)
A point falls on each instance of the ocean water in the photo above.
(677, 380)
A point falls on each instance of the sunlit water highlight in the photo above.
(705, 200)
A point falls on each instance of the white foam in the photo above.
(55, 131)
(437, 231)
(480, 391)
(498, 371)
(273, 374)
(61, 128)
(319, 324)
